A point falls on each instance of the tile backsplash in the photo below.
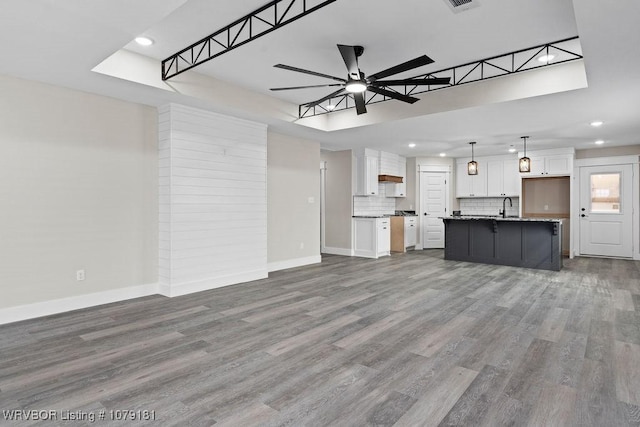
(374, 205)
(488, 206)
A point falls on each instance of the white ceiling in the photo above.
(60, 41)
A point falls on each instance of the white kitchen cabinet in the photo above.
(503, 179)
(372, 237)
(383, 226)
(366, 172)
(550, 162)
(471, 185)
(410, 231)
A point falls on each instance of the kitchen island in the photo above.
(520, 242)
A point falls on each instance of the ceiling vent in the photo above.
(461, 5)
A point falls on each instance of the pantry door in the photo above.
(433, 205)
(606, 206)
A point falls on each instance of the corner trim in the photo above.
(292, 263)
(47, 308)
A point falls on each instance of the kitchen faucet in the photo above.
(504, 206)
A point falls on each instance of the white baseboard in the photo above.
(177, 289)
(293, 263)
(338, 251)
(46, 308)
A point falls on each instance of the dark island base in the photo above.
(529, 244)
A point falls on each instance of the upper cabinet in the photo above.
(558, 162)
(369, 164)
(367, 170)
(471, 185)
(502, 177)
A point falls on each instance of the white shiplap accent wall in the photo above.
(213, 200)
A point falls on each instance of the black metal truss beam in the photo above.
(262, 21)
(497, 66)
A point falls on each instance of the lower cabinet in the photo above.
(404, 233)
(372, 237)
(410, 231)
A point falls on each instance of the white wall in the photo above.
(78, 190)
(625, 150)
(339, 201)
(293, 199)
(213, 200)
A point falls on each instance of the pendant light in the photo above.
(472, 166)
(524, 165)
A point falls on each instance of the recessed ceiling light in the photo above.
(144, 41)
(443, 154)
(512, 150)
(546, 58)
(599, 142)
(411, 145)
(596, 123)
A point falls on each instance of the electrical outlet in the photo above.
(311, 200)
(301, 245)
(546, 207)
(80, 275)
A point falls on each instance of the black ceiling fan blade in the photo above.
(394, 95)
(305, 87)
(360, 103)
(405, 66)
(350, 60)
(321, 100)
(414, 82)
(313, 73)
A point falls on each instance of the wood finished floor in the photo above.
(405, 340)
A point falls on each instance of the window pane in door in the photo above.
(605, 193)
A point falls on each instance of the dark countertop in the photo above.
(379, 216)
(499, 218)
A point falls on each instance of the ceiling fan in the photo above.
(357, 83)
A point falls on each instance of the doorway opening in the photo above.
(549, 197)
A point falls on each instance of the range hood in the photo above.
(390, 178)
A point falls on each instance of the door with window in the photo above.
(606, 210)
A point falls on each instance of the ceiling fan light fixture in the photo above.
(355, 86)
(524, 163)
(472, 166)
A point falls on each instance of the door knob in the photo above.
(583, 215)
(583, 209)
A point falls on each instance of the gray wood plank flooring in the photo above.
(404, 340)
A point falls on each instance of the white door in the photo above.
(433, 204)
(606, 210)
